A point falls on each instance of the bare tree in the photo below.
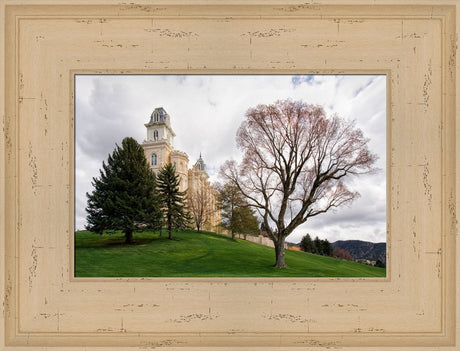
(342, 254)
(201, 206)
(295, 159)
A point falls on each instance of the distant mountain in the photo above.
(363, 249)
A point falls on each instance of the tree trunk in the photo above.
(129, 237)
(169, 227)
(279, 251)
(233, 235)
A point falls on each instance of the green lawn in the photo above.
(193, 254)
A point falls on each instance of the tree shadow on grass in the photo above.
(114, 242)
(140, 241)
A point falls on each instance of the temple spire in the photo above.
(200, 164)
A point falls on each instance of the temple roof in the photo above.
(162, 116)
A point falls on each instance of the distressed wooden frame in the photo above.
(45, 43)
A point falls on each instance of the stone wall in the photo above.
(261, 240)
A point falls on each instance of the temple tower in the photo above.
(159, 150)
(159, 146)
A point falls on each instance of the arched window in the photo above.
(154, 160)
(156, 116)
(155, 134)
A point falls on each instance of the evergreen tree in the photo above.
(318, 246)
(173, 200)
(327, 248)
(306, 244)
(124, 196)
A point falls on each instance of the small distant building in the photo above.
(159, 150)
(365, 261)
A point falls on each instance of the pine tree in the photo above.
(306, 244)
(124, 196)
(327, 248)
(173, 200)
(318, 246)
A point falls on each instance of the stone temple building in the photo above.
(159, 150)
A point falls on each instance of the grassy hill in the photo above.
(193, 254)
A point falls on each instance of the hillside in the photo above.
(193, 254)
(363, 249)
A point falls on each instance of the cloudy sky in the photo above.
(205, 113)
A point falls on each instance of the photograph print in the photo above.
(230, 176)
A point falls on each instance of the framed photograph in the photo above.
(46, 46)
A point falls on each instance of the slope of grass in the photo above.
(193, 254)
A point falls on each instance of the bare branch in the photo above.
(295, 158)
